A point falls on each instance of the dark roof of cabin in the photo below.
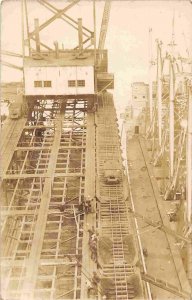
(66, 58)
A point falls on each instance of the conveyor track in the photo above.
(114, 224)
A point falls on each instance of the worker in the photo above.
(87, 206)
(97, 199)
(145, 252)
(81, 207)
(92, 237)
(91, 231)
(93, 248)
(173, 217)
(62, 207)
(95, 281)
(130, 209)
(89, 287)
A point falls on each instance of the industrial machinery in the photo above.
(16, 108)
(112, 171)
(64, 150)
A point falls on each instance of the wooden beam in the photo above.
(43, 175)
(47, 126)
(43, 262)
(48, 6)
(54, 9)
(28, 212)
(10, 53)
(7, 64)
(45, 46)
(57, 15)
(47, 148)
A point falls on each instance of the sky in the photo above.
(127, 37)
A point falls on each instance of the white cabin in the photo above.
(64, 76)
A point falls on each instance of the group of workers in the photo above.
(85, 206)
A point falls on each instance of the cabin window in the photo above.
(71, 83)
(80, 82)
(47, 83)
(37, 83)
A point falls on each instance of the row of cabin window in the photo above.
(71, 83)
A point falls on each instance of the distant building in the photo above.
(134, 115)
(139, 98)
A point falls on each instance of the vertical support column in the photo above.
(159, 92)
(150, 77)
(95, 48)
(189, 262)
(171, 118)
(94, 33)
(80, 35)
(189, 159)
(189, 182)
(37, 39)
(27, 25)
(23, 42)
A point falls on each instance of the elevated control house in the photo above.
(65, 75)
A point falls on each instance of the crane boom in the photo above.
(104, 24)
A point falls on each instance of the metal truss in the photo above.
(42, 242)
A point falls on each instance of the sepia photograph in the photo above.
(96, 150)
